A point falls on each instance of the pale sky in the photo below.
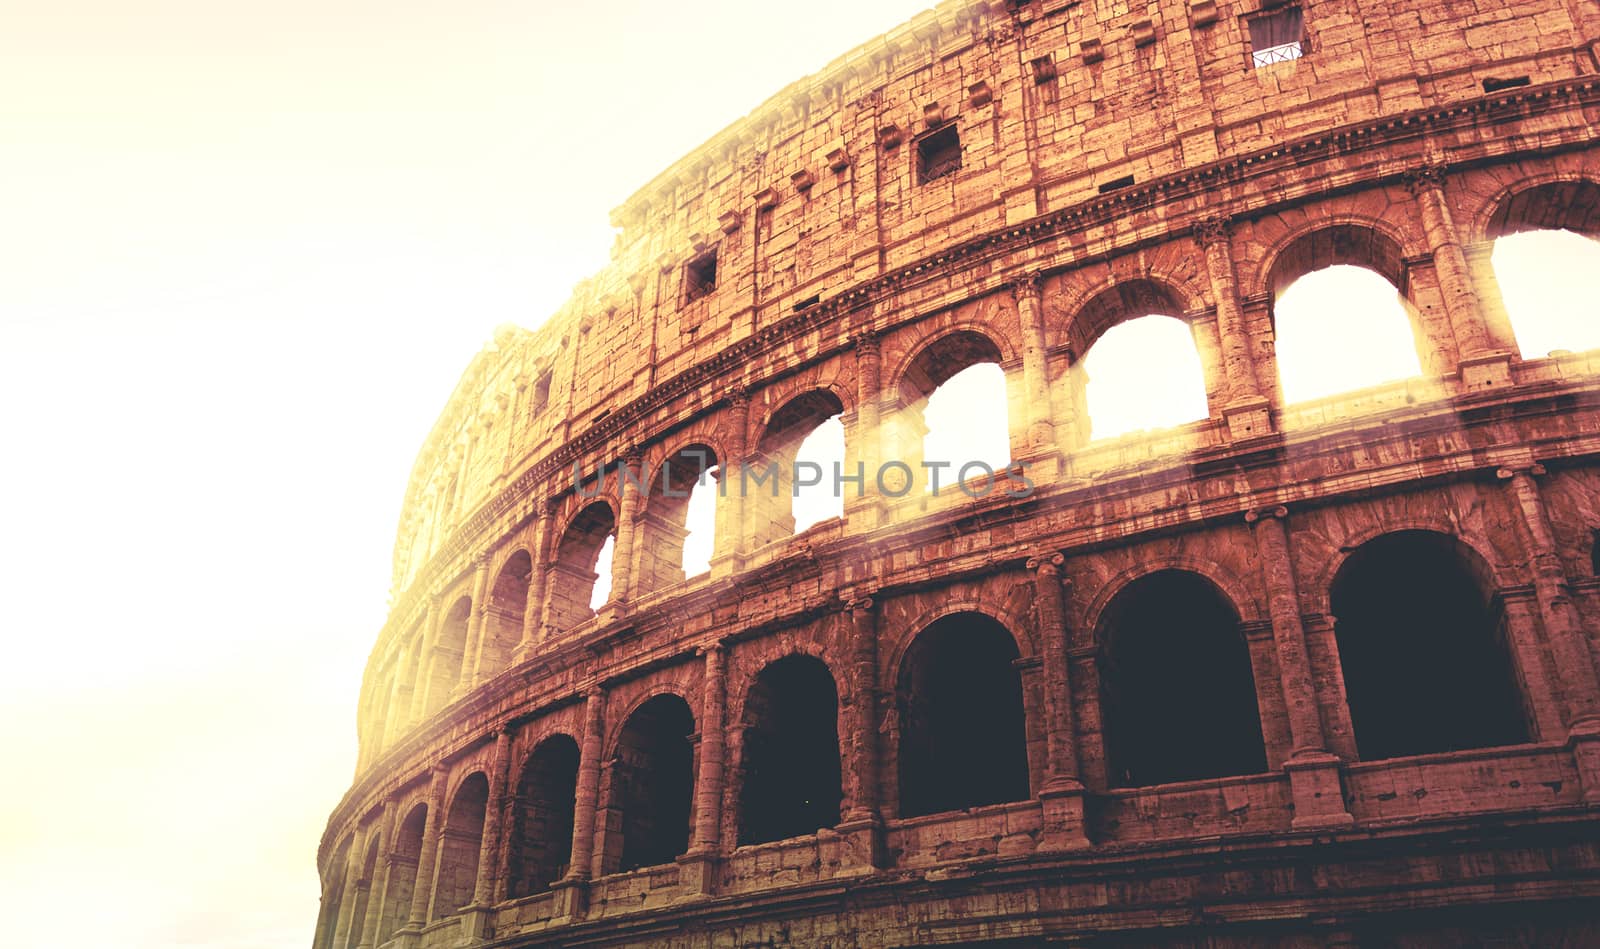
(248, 250)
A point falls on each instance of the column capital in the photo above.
(866, 341)
(1212, 230)
(715, 646)
(1028, 285)
(1423, 177)
(861, 604)
(1276, 512)
(1047, 563)
(548, 508)
(739, 397)
(632, 455)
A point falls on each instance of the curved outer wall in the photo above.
(838, 271)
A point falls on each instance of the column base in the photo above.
(407, 938)
(571, 898)
(1485, 371)
(1062, 801)
(1584, 740)
(861, 845)
(697, 874)
(1248, 418)
(1317, 792)
(865, 514)
(1042, 465)
(477, 924)
(726, 565)
(614, 612)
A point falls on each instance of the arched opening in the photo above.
(789, 768)
(579, 564)
(1426, 668)
(670, 533)
(1340, 315)
(1178, 698)
(508, 606)
(541, 841)
(806, 429)
(403, 872)
(651, 774)
(953, 412)
(364, 894)
(1119, 367)
(1546, 262)
(460, 846)
(333, 899)
(963, 739)
(449, 654)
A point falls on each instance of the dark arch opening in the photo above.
(572, 576)
(770, 504)
(508, 606)
(460, 846)
(1177, 694)
(541, 843)
(789, 770)
(1425, 663)
(403, 874)
(652, 786)
(963, 740)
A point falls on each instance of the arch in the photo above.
(334, 894)
(1333, 285)
(963, 740)
(1473, 554)
(364, 893)
(789, 774)
(460, 846)
(542, 819)
(1423, 652)
(924, 419)
(505, 618)
(1118, 301)
(1238, 595)
(686, 478)
(571, 580)
(650, 775)
(1177, 693)
(406, 853)
(1114, 377)
(1545, 261)
(449, 653)
(770, 504)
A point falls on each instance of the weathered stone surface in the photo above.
(821, 257)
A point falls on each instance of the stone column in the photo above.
(627, 515)
(1062, 795)
(862, 823)
(1313, 772)
(732, 543)
(347, 894)
(378, 895)
(869, 428)
(1568, 642)
(572, 890)
(1480, 365)
(432, 839)
(1029, 294)
(700, 861)
(533, 606)
(1247, 409)
(477, 622)
(477, 916)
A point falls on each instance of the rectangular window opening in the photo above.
(1277, 37)
(1495, 85)
(700, 276)
(1126, 181)
(938, 153)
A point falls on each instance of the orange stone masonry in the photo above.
(1308, 674)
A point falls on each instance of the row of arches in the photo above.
(1339, 307)
(1422, 658)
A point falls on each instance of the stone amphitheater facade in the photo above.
(1291, 675)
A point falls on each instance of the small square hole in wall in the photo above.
(938, 153)
(1277, 37)
(700, 276)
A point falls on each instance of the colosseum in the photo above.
(1295, 673)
